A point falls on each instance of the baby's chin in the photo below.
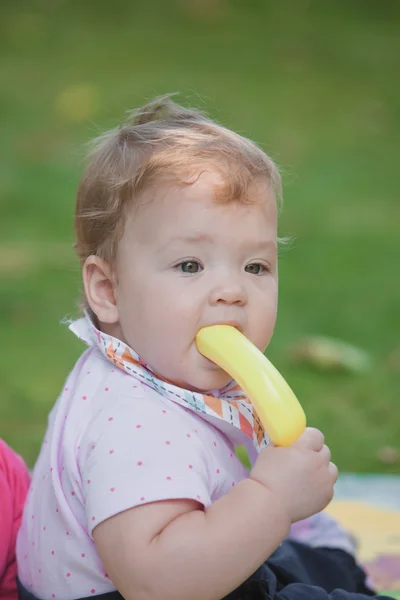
(208, 380)
(199, 375)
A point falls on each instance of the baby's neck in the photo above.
(113, 329)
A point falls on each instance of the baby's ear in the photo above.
(99, 284)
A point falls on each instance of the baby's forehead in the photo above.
(211, 183)
(195, 213)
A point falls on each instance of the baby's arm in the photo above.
(174, 550)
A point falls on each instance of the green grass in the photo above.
(315, 82)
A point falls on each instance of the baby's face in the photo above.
(185, 262)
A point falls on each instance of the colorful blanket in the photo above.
(369, 507)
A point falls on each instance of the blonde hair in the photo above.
(159, 141)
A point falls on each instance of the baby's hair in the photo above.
(159, 142)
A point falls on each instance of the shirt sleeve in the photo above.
(6, 518)
(141, 450)
(14, 483)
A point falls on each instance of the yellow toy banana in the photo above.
(278, 408)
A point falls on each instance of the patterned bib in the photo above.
(228, 409)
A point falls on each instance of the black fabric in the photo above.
(298, 572)
(294, 572)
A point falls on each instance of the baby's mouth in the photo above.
(207, 362)
(230, 322)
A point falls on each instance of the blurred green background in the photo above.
(315, 82)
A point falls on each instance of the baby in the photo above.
(137, 490)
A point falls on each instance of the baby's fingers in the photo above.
(311, 439)
(334, 472)
(325, 453)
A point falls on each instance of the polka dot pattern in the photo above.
(120, 445)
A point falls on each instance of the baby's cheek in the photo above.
(167, 358)
(263, 332)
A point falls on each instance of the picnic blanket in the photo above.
(369, 507)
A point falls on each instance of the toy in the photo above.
(278, 408)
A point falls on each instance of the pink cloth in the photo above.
(14, 484)
(112, 443)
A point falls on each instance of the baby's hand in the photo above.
(301, 475)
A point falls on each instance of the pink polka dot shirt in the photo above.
(112, 443)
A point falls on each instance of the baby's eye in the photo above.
(256, 268)
(190, 266)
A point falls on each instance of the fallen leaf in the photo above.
(388, 455)
(330, 354)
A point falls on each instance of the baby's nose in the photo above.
(229, 293)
